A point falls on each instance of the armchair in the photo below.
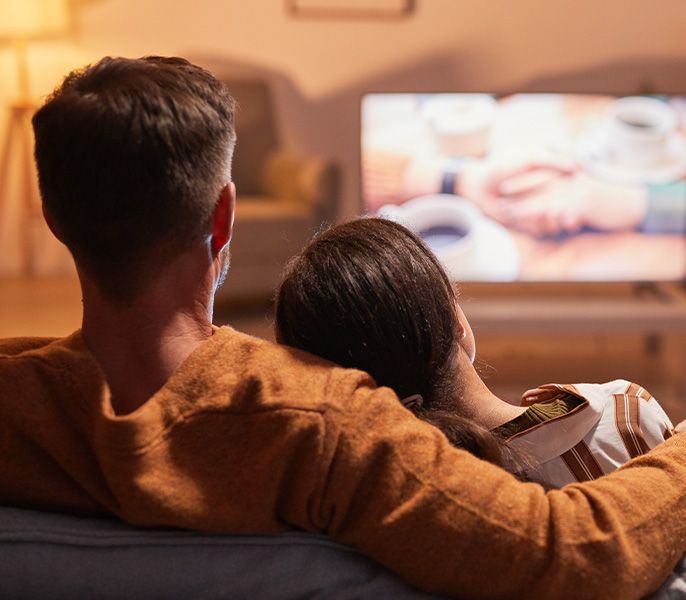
(283, 198)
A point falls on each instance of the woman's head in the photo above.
(368, 294)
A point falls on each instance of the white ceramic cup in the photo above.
(639, 130)
(461, 123)
(447, 224)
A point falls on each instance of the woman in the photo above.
(370, 295)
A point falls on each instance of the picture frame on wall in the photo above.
(350, 9)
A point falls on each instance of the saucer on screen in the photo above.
(595, 155)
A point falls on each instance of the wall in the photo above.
(498, 41)
(446, 44)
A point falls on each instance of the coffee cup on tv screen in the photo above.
(461, 123)
(639, 131)
(447, 224)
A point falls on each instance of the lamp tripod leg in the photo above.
(18, 139)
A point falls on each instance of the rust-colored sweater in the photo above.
(251, 437)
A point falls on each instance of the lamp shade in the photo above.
(23, 19)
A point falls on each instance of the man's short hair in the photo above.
(132, 155)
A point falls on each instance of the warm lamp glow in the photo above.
(25, 19)
(20, 22)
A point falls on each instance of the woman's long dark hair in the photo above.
(368, 294)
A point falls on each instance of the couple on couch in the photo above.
(152, 414)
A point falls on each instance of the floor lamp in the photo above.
(22, 21)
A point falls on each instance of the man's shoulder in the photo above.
(16, 346)
(257, 372)
(25, 361)
(236, 350)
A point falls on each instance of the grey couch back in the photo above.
(45, 555)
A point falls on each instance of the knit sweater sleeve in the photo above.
(455, 525)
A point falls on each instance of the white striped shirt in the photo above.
(615, 422)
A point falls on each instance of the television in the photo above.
(533, 187)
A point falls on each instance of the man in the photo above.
(153, 414)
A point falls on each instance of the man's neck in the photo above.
(476, 402)
(139, 346)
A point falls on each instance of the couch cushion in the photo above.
(674, 588)
(46, 555)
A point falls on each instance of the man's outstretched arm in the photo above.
(453, 524)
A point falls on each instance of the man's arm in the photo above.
(452, 524)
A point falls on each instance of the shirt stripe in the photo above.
(635, 419)
(582, 463)
(628, 425)
(636, 390)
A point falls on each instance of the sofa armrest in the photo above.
(314, 182)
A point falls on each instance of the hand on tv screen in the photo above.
(492, 184)
(568, 204)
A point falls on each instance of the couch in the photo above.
(45, 555)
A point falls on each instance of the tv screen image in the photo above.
(533, 187)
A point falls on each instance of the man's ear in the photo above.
(51, 223)
(222, 219)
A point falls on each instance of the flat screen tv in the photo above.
(533, 187)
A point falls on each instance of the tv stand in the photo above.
(653, 311)
(658, 291)
(645, 307)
